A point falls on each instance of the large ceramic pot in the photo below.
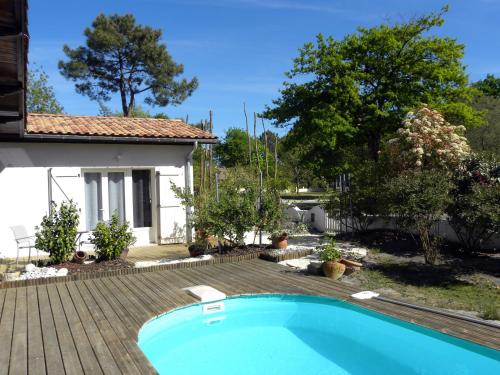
(280, 242)
(333, 270)
(78, 257)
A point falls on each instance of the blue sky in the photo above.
(240, 49)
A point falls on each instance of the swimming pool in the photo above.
(290, 334)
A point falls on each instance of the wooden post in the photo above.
(210, 153)
(248, 135)
(202, 164)
(265, 148)
(275, 156)
(256, 140)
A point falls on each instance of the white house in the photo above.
(103, 164)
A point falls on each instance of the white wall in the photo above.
(24, 182)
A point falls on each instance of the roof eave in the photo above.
(113, 139)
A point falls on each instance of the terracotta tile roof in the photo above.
(113, 127)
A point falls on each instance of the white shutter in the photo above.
(171, 214)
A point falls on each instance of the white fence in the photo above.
(320, 221)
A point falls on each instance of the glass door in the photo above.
(93, 200)
(116, 194)
(141, 191)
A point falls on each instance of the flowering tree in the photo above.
(427, 141)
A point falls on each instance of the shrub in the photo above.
(57, 231)
(110, 239)
(474, 212)
(418, 200)
(330, 252)
(270, 216)
(363, 201)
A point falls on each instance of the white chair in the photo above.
(23, 241)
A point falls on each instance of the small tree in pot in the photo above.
(331, 256)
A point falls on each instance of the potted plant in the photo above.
(331, 266)
(279, 240)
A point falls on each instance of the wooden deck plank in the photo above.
(6, 329)
(88, 359)
(95, 322)
(101, 350)
(19, 349)
(114, 343)
(124, 331)
(36, 357)
(69, 353)
(51, 349)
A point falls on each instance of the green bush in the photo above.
(110, 239)
(364, 200)
(418, 200)
(57, 231)
(474, 211)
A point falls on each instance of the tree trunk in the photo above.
(374, 145)
(248, 136)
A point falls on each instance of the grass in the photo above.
(481, 296)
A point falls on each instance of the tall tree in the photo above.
(486, 138)
(489, 86)
(122, 57)
(355, 90)
(41, 97)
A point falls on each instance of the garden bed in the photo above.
(110, 265)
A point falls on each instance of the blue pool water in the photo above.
(281, 334)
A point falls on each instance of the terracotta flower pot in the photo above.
(351, 266)
(333, 270)
(280, 242)
(78, 257)
(124, 253)
(196, 250)
(351, 263)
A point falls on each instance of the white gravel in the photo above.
(165, 261)
(33, 272)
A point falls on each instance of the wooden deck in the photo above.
(91, 326)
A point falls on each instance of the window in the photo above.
(93, 199)
(116, 193)
(141, 198)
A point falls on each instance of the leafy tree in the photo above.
(41, 97)
(233, 148)
(486, 138)
(123, 57)
(138, 112)
(489, 86)
(359, 88)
